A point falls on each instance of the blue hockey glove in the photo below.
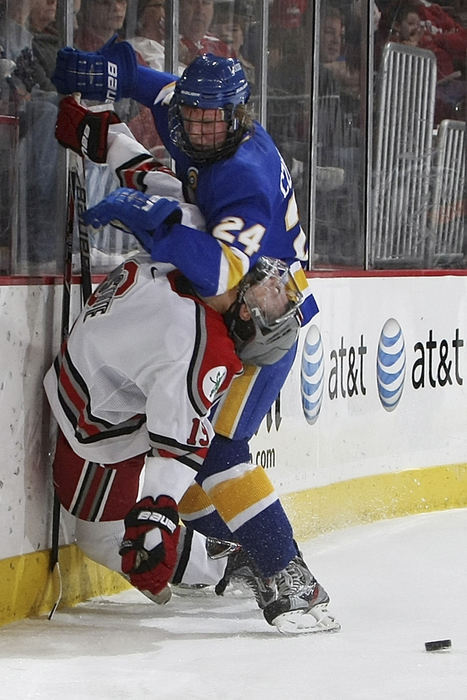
(106, 75)
(132, 211)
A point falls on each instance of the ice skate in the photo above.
(300, 606)
(292, 600)
(242, 574)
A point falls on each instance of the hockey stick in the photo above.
(76, 193)
(80, 185)
(77, 171)
(66, 302)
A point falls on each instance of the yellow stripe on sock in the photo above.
(234, 496)
(195, 503)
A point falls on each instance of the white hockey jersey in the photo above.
(144, 363)
(135, 167)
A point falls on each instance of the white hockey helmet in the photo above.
(273, 300)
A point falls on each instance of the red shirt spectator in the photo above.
(195, 21)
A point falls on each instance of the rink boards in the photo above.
(370, 423)
(372, 420)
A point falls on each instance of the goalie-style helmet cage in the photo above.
(273, 327)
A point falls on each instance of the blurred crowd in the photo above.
(30, 37)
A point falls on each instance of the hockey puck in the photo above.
(438, 645)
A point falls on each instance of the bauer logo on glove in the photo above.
(105, 75)
(149, 547)
(157, 518)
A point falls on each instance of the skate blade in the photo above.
(306, 622)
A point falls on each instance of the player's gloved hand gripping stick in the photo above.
(83, 131)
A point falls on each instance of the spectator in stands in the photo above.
(231, 28)
(406, 28)
(403, 24)
(42, 14)
(333, 52)
(450, 34)
(150, 32)
(149, 37)
(338, 182)
(332, 32)
(34, 102)
(436, 22)
(98, 22)
(196, 17)
(287, 36)
(409, 23)
(15, 35)
(338, 108)
(45, 43)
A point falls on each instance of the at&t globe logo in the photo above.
(390, 366)
(312, 374)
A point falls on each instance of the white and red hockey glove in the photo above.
(149, 548)
(84, 131)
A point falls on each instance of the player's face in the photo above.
(205, 128)
(200, 13)
(270, 297)
(42, 13)
(409, 31)
(106, 15)
(331, 39)
(152, 21)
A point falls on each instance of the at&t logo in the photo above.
(312, 375)
(390, 365)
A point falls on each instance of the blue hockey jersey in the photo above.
(247, 200)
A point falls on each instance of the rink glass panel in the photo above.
(316, 72)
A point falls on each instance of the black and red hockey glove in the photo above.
(83, 131)
(149, 549)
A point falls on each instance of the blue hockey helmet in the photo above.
(210, 82)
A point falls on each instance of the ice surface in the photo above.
(394, 585)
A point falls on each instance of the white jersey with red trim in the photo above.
(137, 168)
(143, 365)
